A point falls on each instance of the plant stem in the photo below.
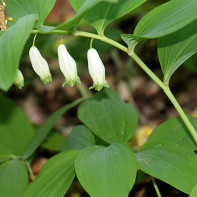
(142, 65)
(156, 187)
(168, 92)
(29, 170)
(83, 90)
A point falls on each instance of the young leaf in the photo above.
(82, 7)
(55, 176)
(13, 41)
(15, 129)
(106, 171)
(110, 119)
(106, 12)
(13, 178)
(80, 138)
(46, 127)
(167, 18)
(131, 41)
(172, 164)
(20, 8)
(174, 132)
(176, 48)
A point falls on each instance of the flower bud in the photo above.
(19, 81)
(96, 70)
(40, 65)
(68, 66)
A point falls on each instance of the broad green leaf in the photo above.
(110, 119)
(173, 131)
(176, 48)
(20, 8)
(13, 178)
(15, 129)
(13, 41)
(172, 164)
(80, 137)
(194, 191)
(53, 142)
(5, 153)
(55, 176)
(167, 18)
(106, 171)
(105, 12)
(44, 130)
(83, 6)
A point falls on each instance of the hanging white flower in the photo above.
(40, 65)
(19, 81)
(68, 66)
(96, 70)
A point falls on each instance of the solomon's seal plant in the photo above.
(100, 150)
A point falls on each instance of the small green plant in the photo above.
(96, 151)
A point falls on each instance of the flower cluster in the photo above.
(68, 67)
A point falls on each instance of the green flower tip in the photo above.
(71, 82)
(47, 80)
(19, 85)
(99, 87)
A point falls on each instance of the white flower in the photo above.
(68, 66)
(96, 70)
(19, 81)
(40, 65)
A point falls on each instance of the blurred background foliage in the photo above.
(131, 83)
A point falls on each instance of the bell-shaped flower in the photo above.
(40, 65)
(68, 66)
(19, 81)
(96, 70)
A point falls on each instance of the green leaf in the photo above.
(15, 129)
(13, 178)
(167, 18)
(55, 176)
(53, 142)
(20, 8)
(106, 12)
(194, 192)
(46, 127)
(106, 171)
(173, 131)
(174, 165)
(82, 7)
(5, 153)
(176, 48)
(13, 41)
(80, 137)
(110, 119)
